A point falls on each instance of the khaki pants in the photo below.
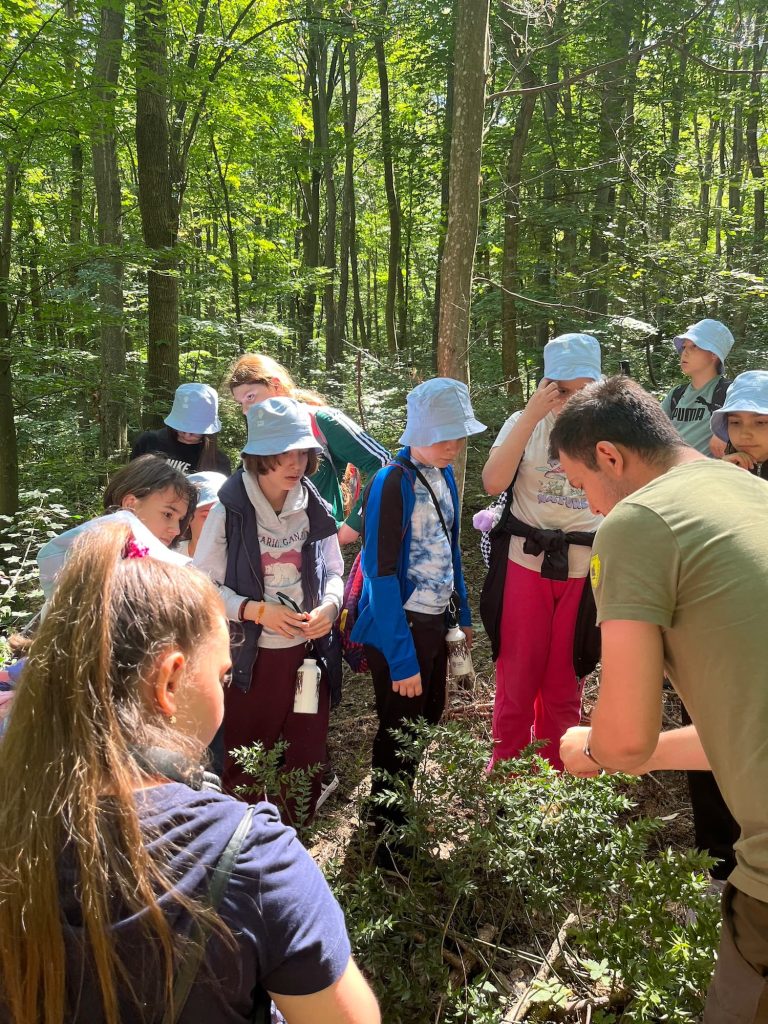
(738, 993)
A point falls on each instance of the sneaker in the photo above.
(326, 788)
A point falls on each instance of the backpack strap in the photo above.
(674, 400)
(192, 957)
(406, 463)
(718, 395)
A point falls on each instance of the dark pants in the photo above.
(714, 826)
(265, 714)
(394, 711)
(739, 990)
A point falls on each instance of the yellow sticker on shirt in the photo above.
(594, 571)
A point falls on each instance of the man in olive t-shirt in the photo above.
(680, 574)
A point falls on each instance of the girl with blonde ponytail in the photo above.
(109, 839)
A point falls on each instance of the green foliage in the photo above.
(271, 781)
(499, 862)
(21, 537)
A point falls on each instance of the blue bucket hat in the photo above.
(52, 556)
(195, 410)
(571, 356)
(279, 425)
(439, 410)
(711, 335)
(748, 393)
(207, 484)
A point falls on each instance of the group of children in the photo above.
(269, 536)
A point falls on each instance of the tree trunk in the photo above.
(511, 282)
(393, 204)
(705, 174)
(753, 152)
(670, 158)
(106, 176)
(309, 187)
(234, 255)
(445, 165)
(158, 207)
(619, 17)
(464, 194)
(322, 138)
(9, 457)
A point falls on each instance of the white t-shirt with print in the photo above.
(544, 498)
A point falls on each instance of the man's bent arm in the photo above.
(626, 721)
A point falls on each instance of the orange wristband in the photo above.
(260, 613)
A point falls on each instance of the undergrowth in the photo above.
(501, 860)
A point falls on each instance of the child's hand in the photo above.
(469, 633)
(281, 620)
(410, 687)
(319, 622)
(740, 459)
(544, 400)
(717, 447)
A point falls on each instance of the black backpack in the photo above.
(718, 396)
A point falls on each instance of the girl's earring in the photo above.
(172, 720)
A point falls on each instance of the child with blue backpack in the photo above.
(413, 576)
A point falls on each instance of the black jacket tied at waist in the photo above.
(554, 544)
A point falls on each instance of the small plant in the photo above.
(272, 782)
(21, 537)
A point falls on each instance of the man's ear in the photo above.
(610, 459)
(169, 671)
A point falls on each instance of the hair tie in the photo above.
(133, 549)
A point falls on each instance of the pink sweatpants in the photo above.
(537, 692)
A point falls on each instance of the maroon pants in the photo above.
(265, 714)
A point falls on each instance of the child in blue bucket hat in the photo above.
(742, 422)
(412, 577)
(270, 544)
(540, 563)
(703, 349)
(188, 439)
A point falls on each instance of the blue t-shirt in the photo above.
(289, 931)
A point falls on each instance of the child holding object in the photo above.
(412, 574)
(541, 587)
(188, 439)
(270, 545)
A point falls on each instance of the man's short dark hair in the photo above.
(616, 410)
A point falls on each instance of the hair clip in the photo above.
(133, 549)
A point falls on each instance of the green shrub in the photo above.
(500, 861)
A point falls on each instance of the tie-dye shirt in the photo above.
(431, 563)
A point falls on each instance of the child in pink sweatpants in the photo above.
(537, 691)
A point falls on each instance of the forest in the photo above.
(374, 192)
(185, 181)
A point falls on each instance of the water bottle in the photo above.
(459, 659)
(307, 697)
